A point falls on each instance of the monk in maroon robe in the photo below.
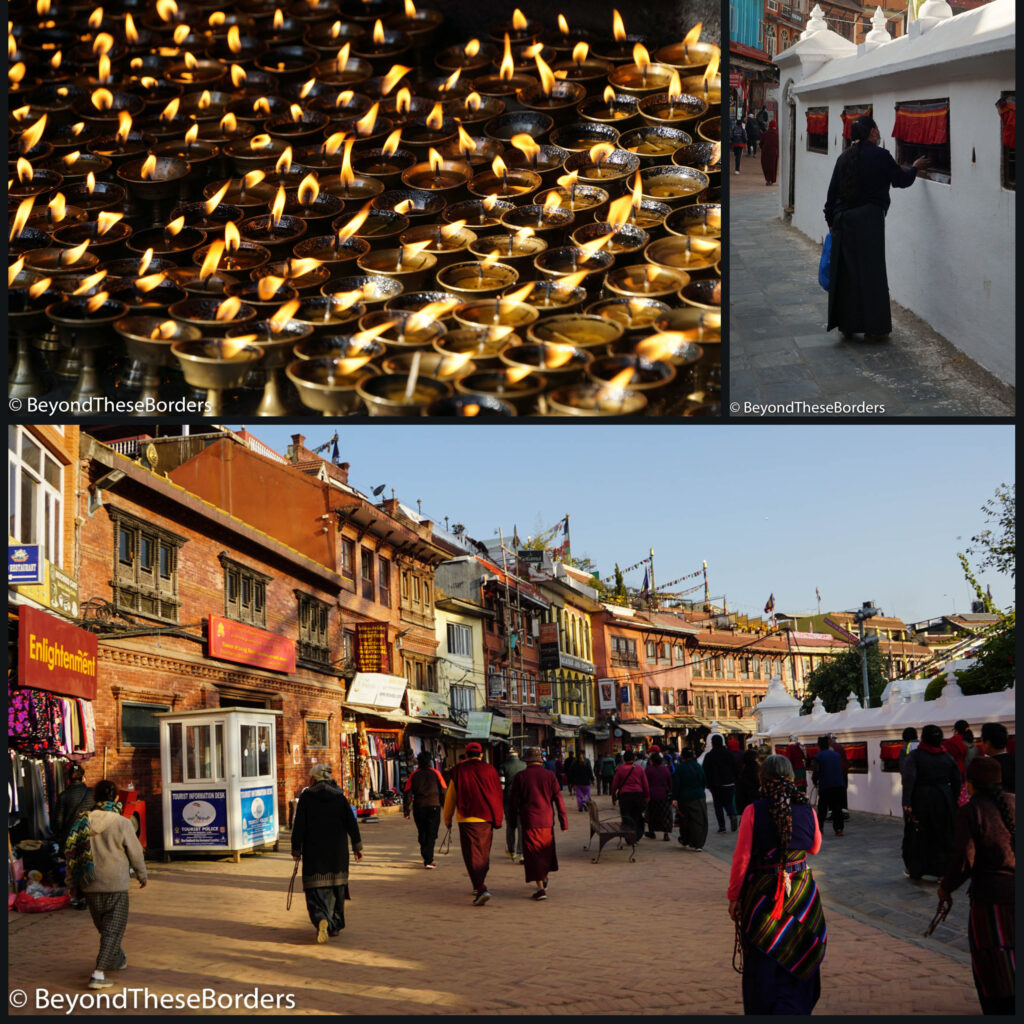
(533, 798)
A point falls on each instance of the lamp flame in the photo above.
(466, 143)
(508, 65)
(280, 319)
(40, 286)
(473, 101)
(434, 159)
(205, 100)
(295, 111)
(520, 294)
(58, 207)
(563, 25)
(31, 135)
(491, 259)
(514, 374)
(391, 143)
(16, 72)
(232, 236)
(675, 86)
(144, 262)
(96, 18)
(547, 77)
(228, 124)
(621, 379)
(42, 7)
(147, 284)
(340, 301)
(436, 117)
(212, 259)
(189, 58)
(168, 329)
(552, 200)
(404, 206)
(228, 309)
(608, 95)
(301, 267)
(451, 230)
(518, 20)
(589, 249)
(403, 100)
(554, 354)
(234, 39)
(567, 181)
(260, 142)
(277, 208)
(278, 18)
(192, 134)
(393, 77)
(618, 29)
(309, 189)
(284, 161)
(693, 35)
(307, 88)
(378, 33)
(599, 153)
(499, 168)
(24, 168)
(641, 58)
(525, 144)
(570, 282)
(238, 76)
(170, 112)
(619, 211)
(124, 125)
(712, 68)
(423, 318)
(21, 217)
(364, 126)
(489, 202)
(252, 179)
(364, 337)
(131, 33)
(90, 183)
(166, 9)
(346, 231)
(267, 287)
(346, 176)
(56, 59)
(105, 220)
(102, 99)
(580, 51)
(97, 301)
(472, 48)
(72, 158)
(638, 191)
(452, 80)
(103, 44)
(148, 167)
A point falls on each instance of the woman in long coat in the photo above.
(983, 851)
(774, 899)
(323, 827)
(770, 153)
(534, 797)
(931, 782)
(855, 208)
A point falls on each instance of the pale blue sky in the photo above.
(862, 512)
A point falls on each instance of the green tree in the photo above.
(997, 547)
(838, 677)
(618, 594)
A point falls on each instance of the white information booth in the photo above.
(218, 770)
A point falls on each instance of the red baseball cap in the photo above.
(474, 748)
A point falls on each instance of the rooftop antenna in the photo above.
(378, 491)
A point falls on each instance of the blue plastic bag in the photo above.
(825, 261)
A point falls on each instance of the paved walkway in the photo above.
(651, 937)
(779, 350)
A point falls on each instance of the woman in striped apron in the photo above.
(773, 897)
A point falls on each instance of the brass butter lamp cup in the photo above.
(327, 384)
(276, 342)
(153, 353)
(214, 365)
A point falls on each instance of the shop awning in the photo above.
(679, 722)
(599, 732)
(563, 732)
(444, 724)
(398, 717)
(640, 729)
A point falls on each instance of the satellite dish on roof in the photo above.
(377, 491)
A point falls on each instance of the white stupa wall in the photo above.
(950, 246)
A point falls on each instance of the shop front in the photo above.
(433, 730)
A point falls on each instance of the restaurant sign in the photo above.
(24, 564)
(247, 645)
(371, 653)
(56, 656)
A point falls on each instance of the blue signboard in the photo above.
(24, 564)
(257, 814)
(199, 818)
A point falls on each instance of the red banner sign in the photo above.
(247, 645)
(372, 647)
(56, 656)
(735, 79)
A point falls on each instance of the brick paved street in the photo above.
(614, 938)
(779, 350)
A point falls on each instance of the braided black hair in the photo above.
(849, 177)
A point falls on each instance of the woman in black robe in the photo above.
(855, 208)
(931, 782)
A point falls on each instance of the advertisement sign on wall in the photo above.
(606, 694)
(371, 653)
(56, 656)
(257, 814)
(377, 690)
(478, 724)
(548, 646)
(247, 645)
(24, 564)
(199, 818)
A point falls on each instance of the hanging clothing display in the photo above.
(41, 722)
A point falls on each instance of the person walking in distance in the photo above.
(474, 797)
(720, 772)
(931, 782)
(70, 804)
(831, 783)
(770, 153)
(324, 826)
(659, 810)
(774, 899)
(606, 772)
(630, 789)
(688, 786)
(581, 775)
(423, 795)
(993, 744)
(534, 798)
(510, 768)
(738, 141)
(984, 852)
(101, 848)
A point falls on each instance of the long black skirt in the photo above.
(858, 294)
(327, 903)
(770, 990)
